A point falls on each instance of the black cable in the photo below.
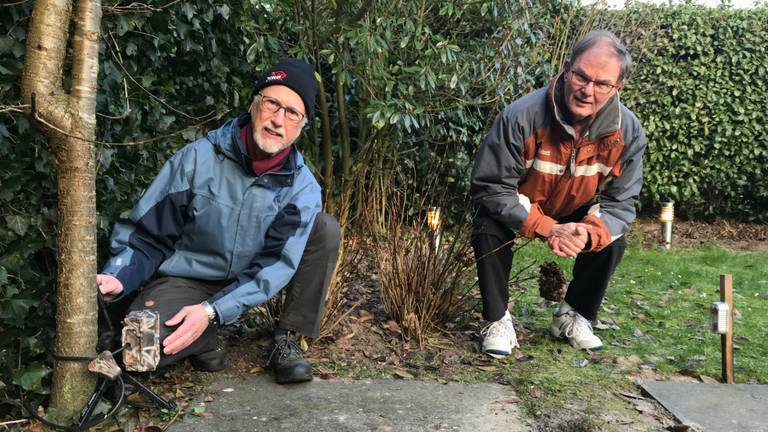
(103, 310)
(73, 427)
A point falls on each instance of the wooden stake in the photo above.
(726, 340)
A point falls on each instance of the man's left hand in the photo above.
(568, 240)
(194, 321)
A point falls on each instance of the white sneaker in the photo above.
(568, 323)
(499, 337)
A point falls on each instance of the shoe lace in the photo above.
(495, 329)
(576, 326)
(286, 349)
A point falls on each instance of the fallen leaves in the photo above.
(508, 401)
(392, 326)
(346, 336)
(607, 324)
(364, 316)
(708, 379)
(523, 358)
(198, 410)
(580, 363)
(401, 373)
(628, 362)
(644, 407)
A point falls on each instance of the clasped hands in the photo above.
(193, 318)
(568, 240)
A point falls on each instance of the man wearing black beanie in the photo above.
(229, 221)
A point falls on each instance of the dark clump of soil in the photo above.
(552, 284)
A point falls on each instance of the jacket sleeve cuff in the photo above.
(599, 236)
(226, 308)
(537, 224)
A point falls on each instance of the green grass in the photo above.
(660, 300)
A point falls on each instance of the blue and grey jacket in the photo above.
(208, 216)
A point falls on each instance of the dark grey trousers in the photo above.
(492, 243)
(304, 301)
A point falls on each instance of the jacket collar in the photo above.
(291, 165)
(607, 121)
(228, 142)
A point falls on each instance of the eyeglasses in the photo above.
(272, 106)
(582, 80)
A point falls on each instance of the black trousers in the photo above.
(492, 243)
(304, 301)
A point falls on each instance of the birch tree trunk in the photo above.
(69, 121)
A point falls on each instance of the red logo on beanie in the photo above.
(277, 75)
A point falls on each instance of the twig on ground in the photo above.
(5, 424)
(178, 411)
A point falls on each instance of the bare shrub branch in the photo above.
(424, 285)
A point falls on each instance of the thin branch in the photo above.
(120, 63)
(5, 424)
(13, 4)
(136, 7)
(127, 109)
(170, 422)
(170, 4)
(341, 22)
(13, 108)
(129, 143)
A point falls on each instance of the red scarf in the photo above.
(261, 161)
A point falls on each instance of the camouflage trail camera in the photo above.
(141, 339)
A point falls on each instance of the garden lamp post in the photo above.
(434, 223)
(667, 216)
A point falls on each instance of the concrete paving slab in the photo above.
(714, 407)
(340, 405)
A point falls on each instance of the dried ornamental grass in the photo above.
(423, 287)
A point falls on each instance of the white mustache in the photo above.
(272, 130)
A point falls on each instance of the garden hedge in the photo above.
(698, 87)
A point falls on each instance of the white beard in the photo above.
(268, 147)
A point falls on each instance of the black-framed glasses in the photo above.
(272, 106)
(582, 80)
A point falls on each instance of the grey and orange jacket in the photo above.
(208, 216)
(530, 170)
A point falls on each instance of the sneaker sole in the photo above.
(596, 348)
(496, 353)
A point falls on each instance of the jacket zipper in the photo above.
(576, 145)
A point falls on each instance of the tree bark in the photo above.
(69, 122)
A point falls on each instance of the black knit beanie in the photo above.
(295, 74)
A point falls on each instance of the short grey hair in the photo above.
(596, 36)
